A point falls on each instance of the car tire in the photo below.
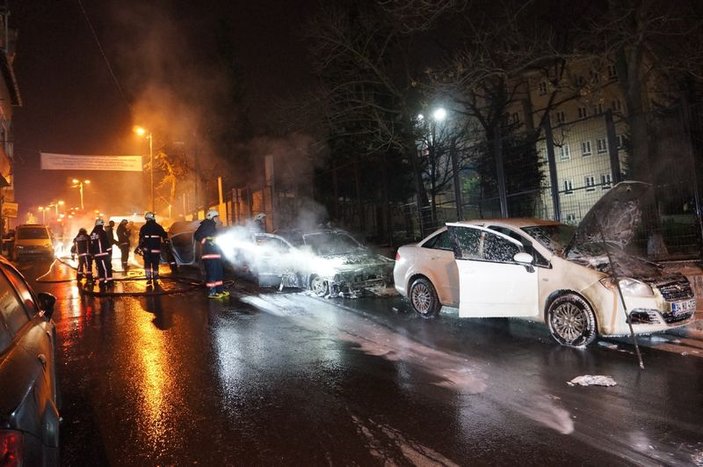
(318, 286)
(423, 298)
(571, 321)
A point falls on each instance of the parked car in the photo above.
(581, 281)
(184, 248)
(33, 240)
(338, 263)
(29, 416)
(326, 261)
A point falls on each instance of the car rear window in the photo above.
(32, 233)
(11, 309)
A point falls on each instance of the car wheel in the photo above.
(319, 287)
(423, 298)
(571, 321)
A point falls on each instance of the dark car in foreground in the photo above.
(29, 416)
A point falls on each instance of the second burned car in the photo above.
(328, 262)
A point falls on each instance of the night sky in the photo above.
(72, 104)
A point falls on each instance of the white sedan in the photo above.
(531, 268)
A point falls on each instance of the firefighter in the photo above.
(211, 255)
(123, 234)
(101, 249)
(81, 248)
(110, 231)
(150, 236)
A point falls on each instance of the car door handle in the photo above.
(42, 358)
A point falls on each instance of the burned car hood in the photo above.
(361, 258)
(608, 229)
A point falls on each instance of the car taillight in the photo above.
(10, 448)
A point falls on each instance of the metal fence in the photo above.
(561, 176)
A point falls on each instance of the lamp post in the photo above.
(79, 184)
(147, 134)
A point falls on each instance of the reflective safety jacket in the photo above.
(205, 235)
(100, 245)
(150, 236)
(81, 245)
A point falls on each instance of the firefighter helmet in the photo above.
(149, 216)
(99, 221)
(259, 217)
(211, 214)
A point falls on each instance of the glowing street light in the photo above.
(79, 184)
(147, 134)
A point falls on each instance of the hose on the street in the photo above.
(190, 284)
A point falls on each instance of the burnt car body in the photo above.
(184, 248)
(29, 417)
(339, 264)
(326, 261)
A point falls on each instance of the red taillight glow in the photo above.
(10, 448)
(397, 255)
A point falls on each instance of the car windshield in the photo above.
(32, 233)
(554, 237)
(331, 243)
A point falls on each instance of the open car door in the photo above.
(496, 277)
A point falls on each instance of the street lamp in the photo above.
(79, 184)
(147, 134)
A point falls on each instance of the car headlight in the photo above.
(635, 288)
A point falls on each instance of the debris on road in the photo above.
(592, 380)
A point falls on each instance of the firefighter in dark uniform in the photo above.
(110, 231)
(101, 249)
(81, 248)
(211, 255)
(150, 236)
(123, 234)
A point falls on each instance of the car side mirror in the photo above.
(525, 259)
(46, 303)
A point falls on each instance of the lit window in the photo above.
(568, 187)
(564, 152)
(586, 148)
(601, 145)
(590, 182)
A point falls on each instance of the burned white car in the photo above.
(328, 262)
(581, 281)
(338, 263)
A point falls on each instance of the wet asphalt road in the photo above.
(271, 378)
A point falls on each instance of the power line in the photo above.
(102, 52)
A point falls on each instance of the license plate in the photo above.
(683, 306)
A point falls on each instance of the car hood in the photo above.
(360, 259)
(607, 230)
